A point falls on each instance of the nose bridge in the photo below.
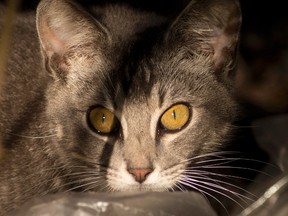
(139, 150)
(139, 146)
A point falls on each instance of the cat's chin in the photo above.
(146, 186)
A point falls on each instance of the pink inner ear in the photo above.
(50, 41)
(219, 43)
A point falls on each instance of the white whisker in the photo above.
(199, 184)
(204, 193)
(228, 184)
(219, 154)
(231, 167)
(33, 137)
(95, 180)
(195, 172)
(94, 185)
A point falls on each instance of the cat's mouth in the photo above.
(158, 180)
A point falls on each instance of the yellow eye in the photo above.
(175, 117)
(102, 120)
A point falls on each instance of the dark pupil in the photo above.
(174, 114)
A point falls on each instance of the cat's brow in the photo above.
(161, 98)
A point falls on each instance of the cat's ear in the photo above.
(70, 39)
(211, 28)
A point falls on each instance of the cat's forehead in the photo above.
(166, 75)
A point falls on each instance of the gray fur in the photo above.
(134, 63)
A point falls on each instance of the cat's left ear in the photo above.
(72, 41)
(210, 28)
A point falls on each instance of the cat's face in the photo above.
(133, 117)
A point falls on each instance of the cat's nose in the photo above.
(140, 174)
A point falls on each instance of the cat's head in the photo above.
(135, 102)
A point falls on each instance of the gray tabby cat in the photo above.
(116, 99)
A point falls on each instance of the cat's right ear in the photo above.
(209, 28)
(71, 40)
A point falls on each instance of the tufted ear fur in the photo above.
(210, 28)
(71, 40)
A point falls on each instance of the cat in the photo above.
(117, 99)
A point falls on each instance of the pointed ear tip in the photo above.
(42, 8)
(42, 4)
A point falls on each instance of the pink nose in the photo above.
(140, 174)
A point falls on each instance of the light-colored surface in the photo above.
(119, 204)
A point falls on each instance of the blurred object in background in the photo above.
(263, 86)
(6, 28)
(118, 204)
(271, 135)
(264, 47)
